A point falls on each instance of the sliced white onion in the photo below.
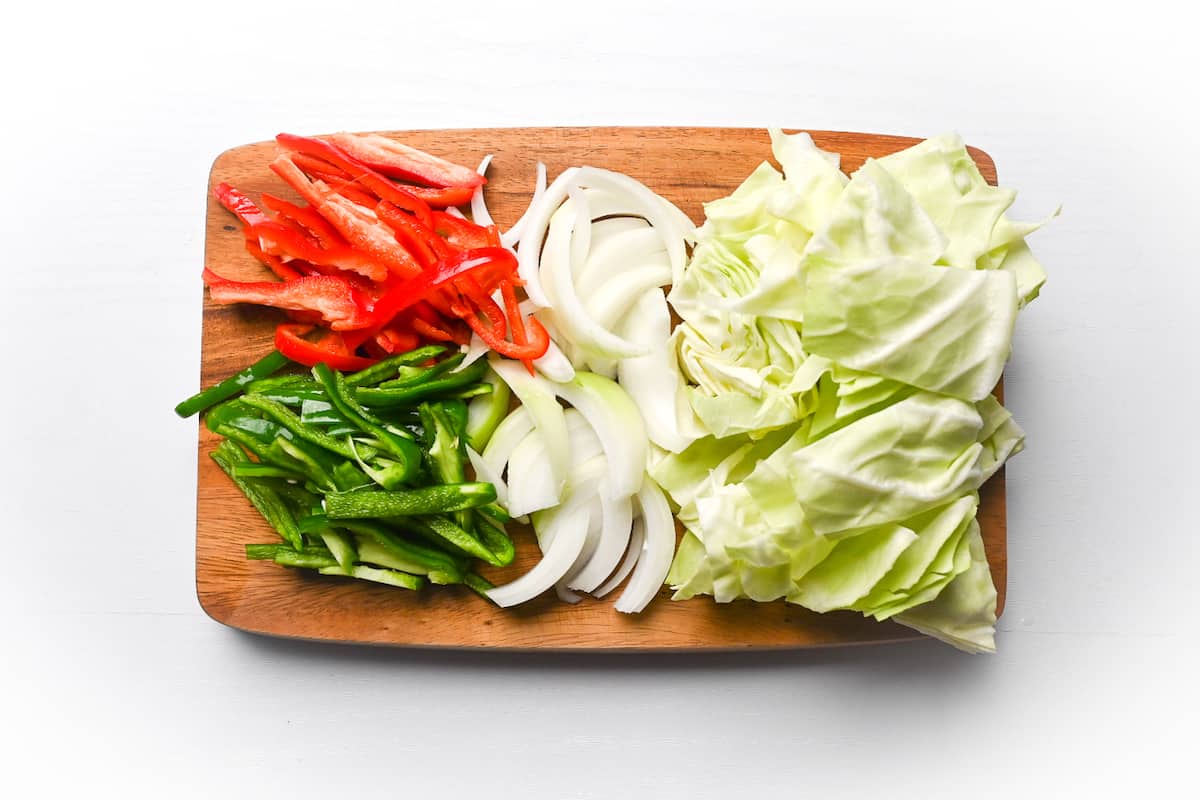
(484, 472)
(474, 351)
(537, 396)
(532, 486)
(637, 537)
(454, 212)
(618, 424)
(560, 292)
(508, 434)
(554, 564)
(479, 209)
(654, 562)
(616, 522)
(654, 380)
(537, 219)
(618, 297)
(581, 229)
(555, 365)
(615, 251)
(513, 235)
(664, 217)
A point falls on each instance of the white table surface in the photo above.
(114, 680)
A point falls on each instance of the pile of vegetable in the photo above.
(371, 266)
(364, 475)
(841, 337)
(820, 420)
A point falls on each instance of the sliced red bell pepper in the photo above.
(319, 168)
(358, 225)
(394, 340)
(462, 232)
(239, 204)
(333, 298)
(274, 263)
(368, 180)
(442, 197)
(278, 239)
(307, 218)
(398, 160)
(493, 336)
(418, 239)
(516, 325)
(353, 192)
(289, 340)
(414, 290)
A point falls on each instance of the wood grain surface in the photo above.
(689, 166)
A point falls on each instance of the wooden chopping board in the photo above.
(688, 166)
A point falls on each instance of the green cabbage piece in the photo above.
(942, 329)
(841, 337)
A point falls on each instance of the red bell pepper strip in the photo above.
(239, 204)
(289, 340)
(492, 334)
(462, 232)
(333, 298)
(442, 197)
(319, 168)
(276, 264)
(421, 287)
(516, 325)
(351, 191)
(393, 340)
(307, 218)
(358, 225)
(278, 239)
(398, 160)
(251, 215)
(432, 331)
(368, 180)
(425, 245)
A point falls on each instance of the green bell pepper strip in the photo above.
(385, 397)
(413, 376)
(262, 552)
(372, 552)
(496, 540)
(266, 500)
(496, 512)
(305, 558)
(251, 469)
(267, 365)
(340, 547)
(292, 395)
(420, 559)
(276, 444)
(389, 366)
(466, 541)
(442, 443)
(379, 504)
(443, 424)
(479, 584)
(386, 576)
(486, 413)
(396, 443)
(283, 415)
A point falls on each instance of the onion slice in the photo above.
(637, 537)
(654, 562)
(513, 235)
(536, 222)
(479, 209)
(558, 560)
(616, 523)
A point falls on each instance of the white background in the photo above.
(112, 678)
